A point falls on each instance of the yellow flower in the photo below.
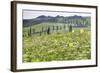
(81, 30)
(71, 44)
(72, 31)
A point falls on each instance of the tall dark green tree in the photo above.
(70, 28)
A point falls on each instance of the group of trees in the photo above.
(48, 30)
(75, 22)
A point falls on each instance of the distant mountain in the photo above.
(75, 17)
(77, 20)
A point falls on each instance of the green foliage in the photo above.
(70, 28)
(57, 46)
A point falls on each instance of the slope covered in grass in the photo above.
(57, 46)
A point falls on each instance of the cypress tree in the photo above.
(70, 28)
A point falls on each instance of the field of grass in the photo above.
(44, 26)
(73, 45)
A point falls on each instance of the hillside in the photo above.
(76, 21)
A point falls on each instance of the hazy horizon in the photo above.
(31, 14)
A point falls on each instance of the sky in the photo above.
(30, 14)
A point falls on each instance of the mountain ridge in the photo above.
(58, 19)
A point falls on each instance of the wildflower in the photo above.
(81, 30)
(71, 44)
(72, 31)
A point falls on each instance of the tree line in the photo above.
(49, 30)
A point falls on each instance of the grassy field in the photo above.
(57, 46)
(44, 26)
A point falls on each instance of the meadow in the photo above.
(58, 46)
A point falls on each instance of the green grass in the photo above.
(57, 46)
(44, 25)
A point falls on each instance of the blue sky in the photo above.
(30, 14)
